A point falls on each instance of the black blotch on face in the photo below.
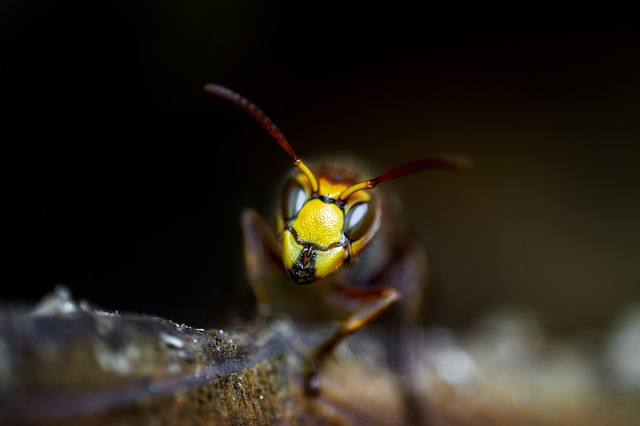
(303, 271)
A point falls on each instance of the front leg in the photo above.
(381, 301)
(260, 253)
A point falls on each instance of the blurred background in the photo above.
(124, 180)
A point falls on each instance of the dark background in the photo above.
(124, 180)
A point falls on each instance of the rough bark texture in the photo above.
(68, 363)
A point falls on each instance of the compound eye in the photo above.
(293, 198)
(358, 220)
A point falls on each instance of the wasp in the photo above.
(338, 250)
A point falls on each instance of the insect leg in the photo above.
(259, 249)
(358, 319)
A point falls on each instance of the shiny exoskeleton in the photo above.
(338, 250)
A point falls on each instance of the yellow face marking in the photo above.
(331, 189)
(319, 223)
(321, 262)
(290, 250)
(329, 261)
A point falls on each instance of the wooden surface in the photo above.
(64, 362)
